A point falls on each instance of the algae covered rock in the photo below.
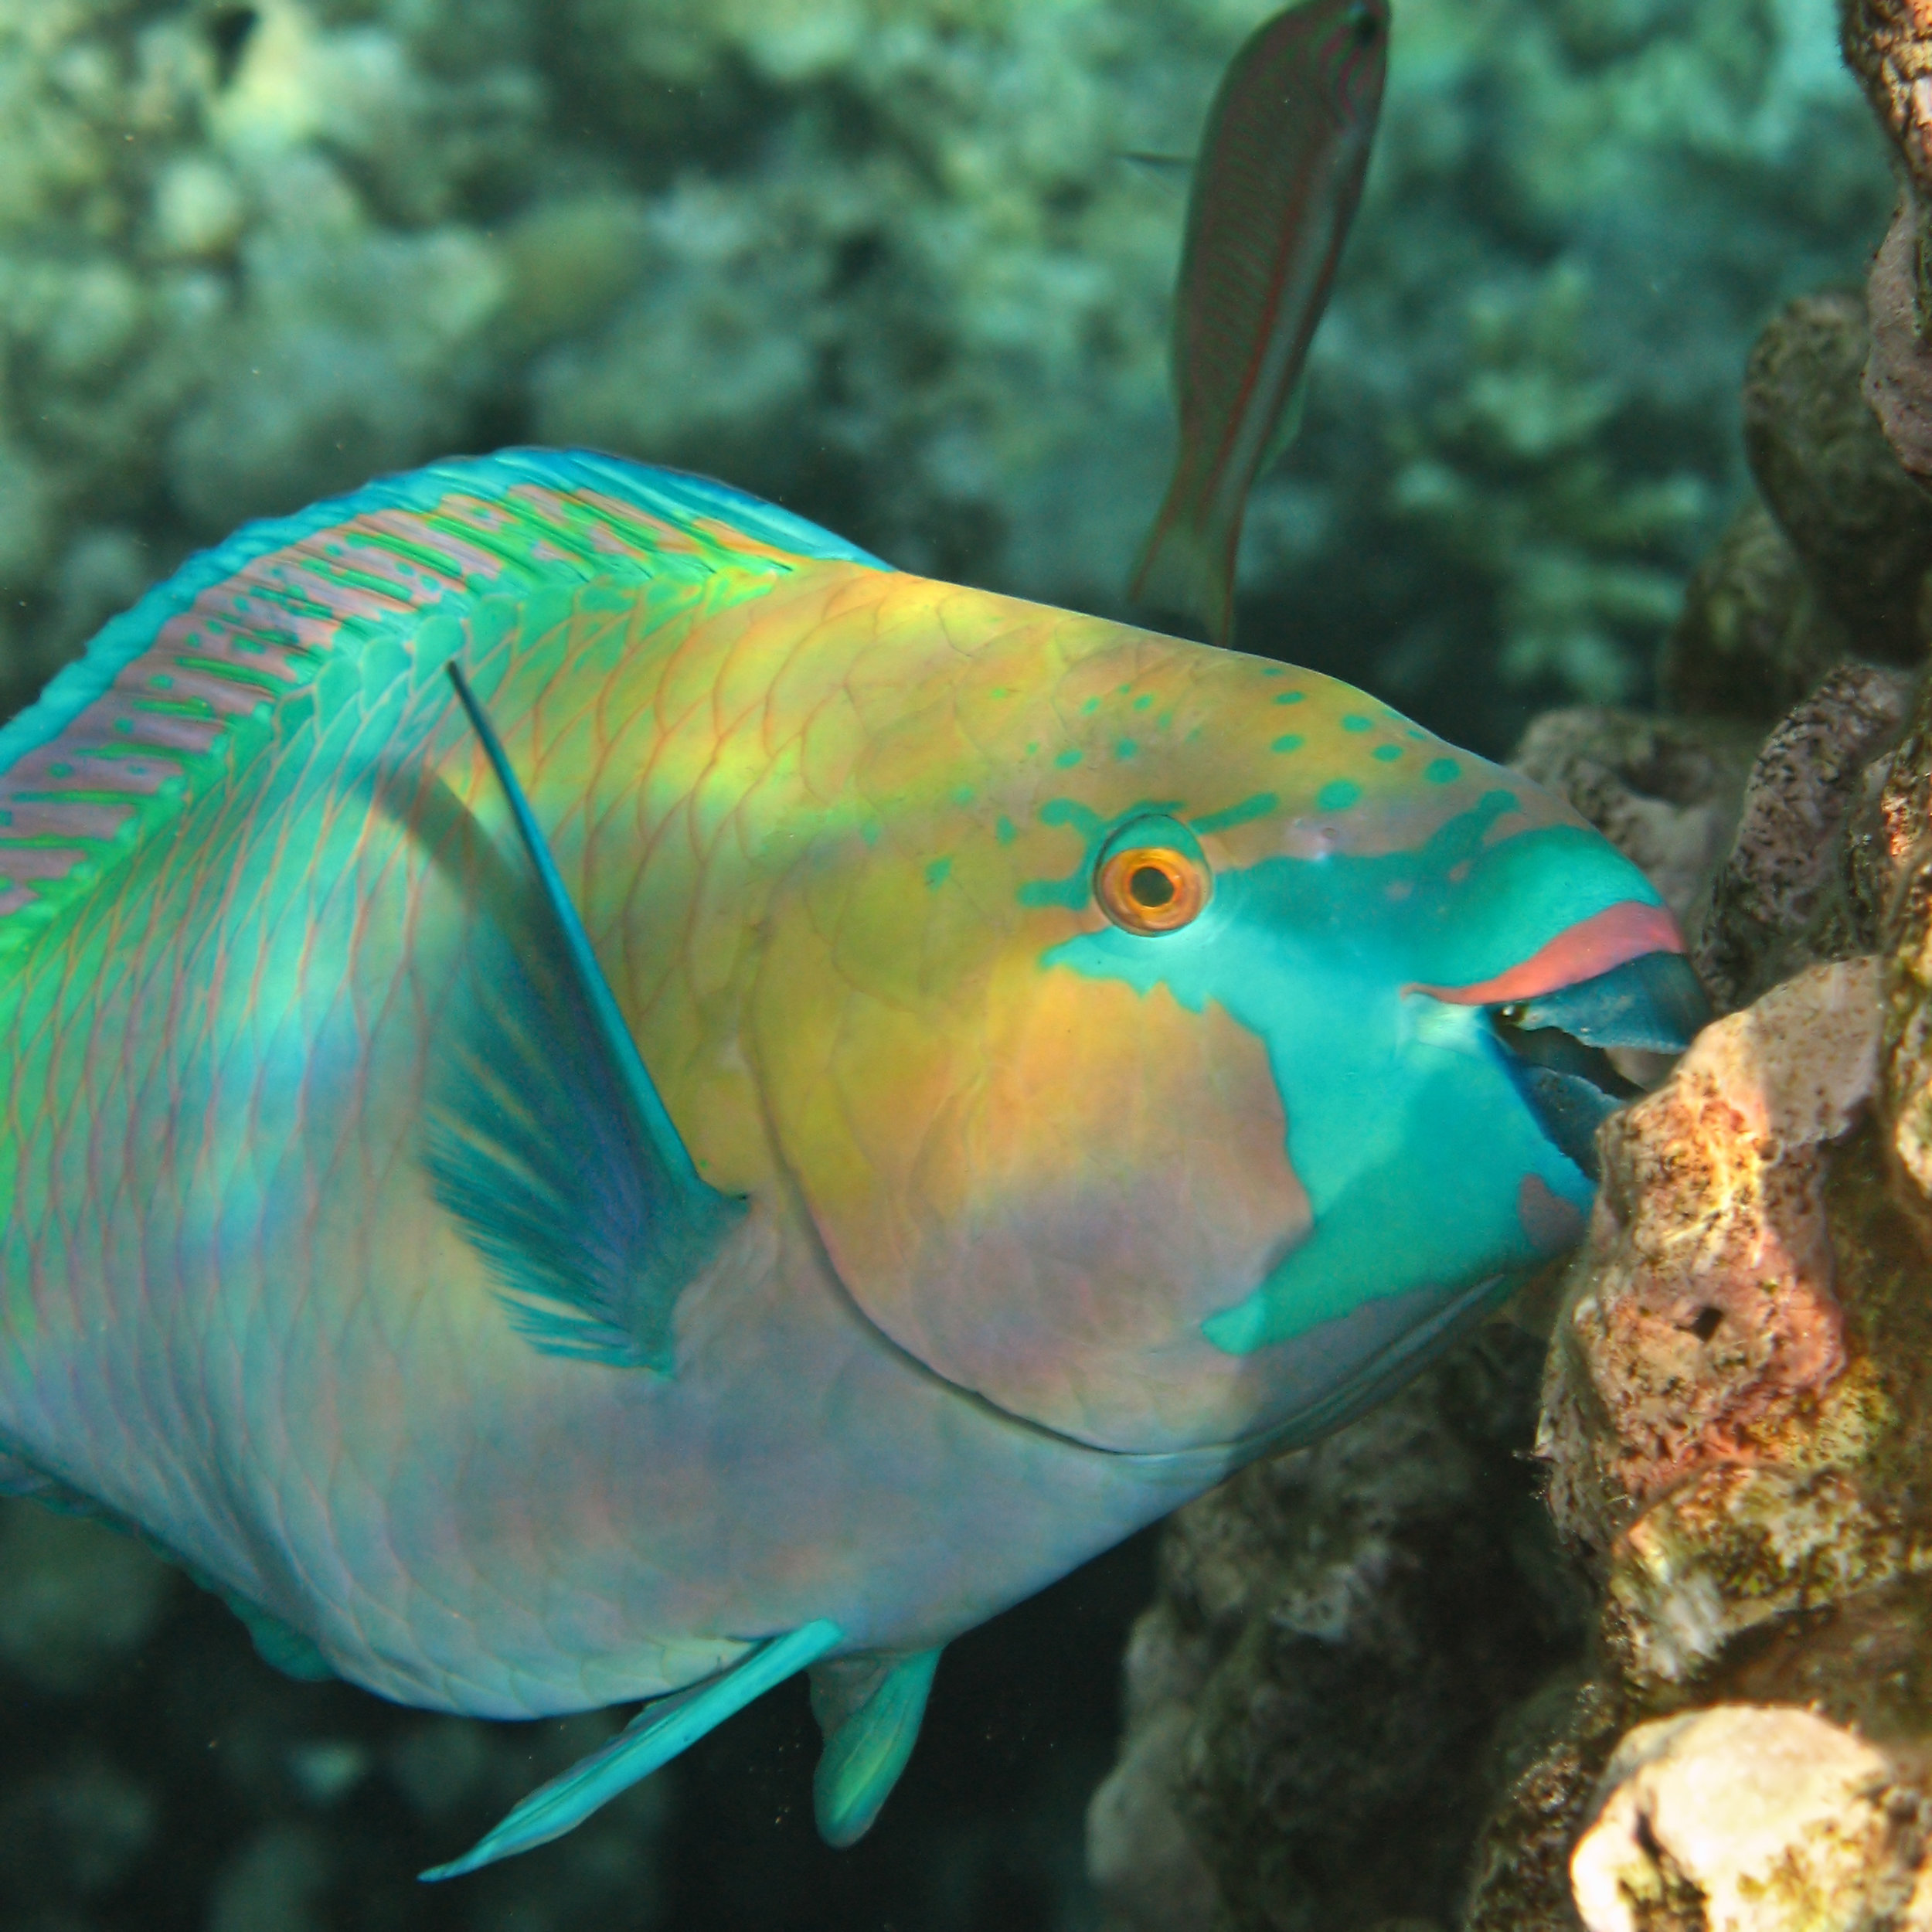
(1753, 636)
(1338, 1634)
(1781, 896)
(1863, 527)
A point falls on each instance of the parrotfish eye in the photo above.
(1362, 23)
(1151, 889)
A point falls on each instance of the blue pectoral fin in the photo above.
(547, 1141)
(869, 1709)
(655, 1736)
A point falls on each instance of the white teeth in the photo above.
(1450, 1029)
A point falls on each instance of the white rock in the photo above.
(1773, 1817)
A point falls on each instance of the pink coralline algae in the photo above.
(1710, 1320)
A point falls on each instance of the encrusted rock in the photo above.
(1740, 1818)
(1705, 1319)
(1337, 1632)
(1753, 636)
(1898, 375)
(1888, 45)
(1861, 524)
(1783, 875)
(1897, 859)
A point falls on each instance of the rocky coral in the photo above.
(1780, 898)
(1862, 528)
(1753, 636)
(1752, 1819)
(886, 259)
(1338, 1632)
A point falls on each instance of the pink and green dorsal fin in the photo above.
(119, 739)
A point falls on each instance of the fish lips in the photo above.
(1572, 1051)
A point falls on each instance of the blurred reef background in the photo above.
(888, 261)
(894, 263)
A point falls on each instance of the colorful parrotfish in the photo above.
(608, 1098)
(1274, 192)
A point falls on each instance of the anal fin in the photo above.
(869, 1709)
(655, 1736)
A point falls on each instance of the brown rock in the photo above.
(1898, 374)
(1888, 45)
(1863, 527)
(1753, 636)
(1774, 892)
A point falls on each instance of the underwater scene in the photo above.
(965, 965)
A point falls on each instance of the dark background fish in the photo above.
(1274, 193)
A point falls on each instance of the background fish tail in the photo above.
(1187, 563)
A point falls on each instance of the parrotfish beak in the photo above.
(1573, 1051)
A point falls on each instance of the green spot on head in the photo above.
(60, 771)
(1289, 741)
(1291, 697)
(1088, 708)
(1354, 722)
(1126, 748)
(1271, 671)
(1032, 749)
(162, 682)
(1418, 736)
(1259, 806)
(1069, 757)
(1339, 794)
(1005, 831)
(869, 831)
(1388, 754)
(1143, 701)
(1440, 771)
(963, 795)
(1000, 691)
(1123, 689)
(936, 872)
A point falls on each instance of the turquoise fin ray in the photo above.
(869, 1709)
(655, 1736)
(548, 1142)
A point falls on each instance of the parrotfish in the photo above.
(1274, 191)
(609, 1099)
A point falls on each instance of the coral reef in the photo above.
(1338, 1633)
(888, 259)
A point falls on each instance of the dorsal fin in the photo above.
(118, 740)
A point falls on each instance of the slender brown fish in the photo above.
(1275, 189)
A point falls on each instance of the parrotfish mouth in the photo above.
(1572, 1051)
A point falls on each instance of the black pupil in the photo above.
(1151, 886)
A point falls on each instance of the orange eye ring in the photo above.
(1151, 889)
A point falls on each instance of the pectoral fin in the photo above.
(655, 1736)
(545, 1137)
(869, 1709)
